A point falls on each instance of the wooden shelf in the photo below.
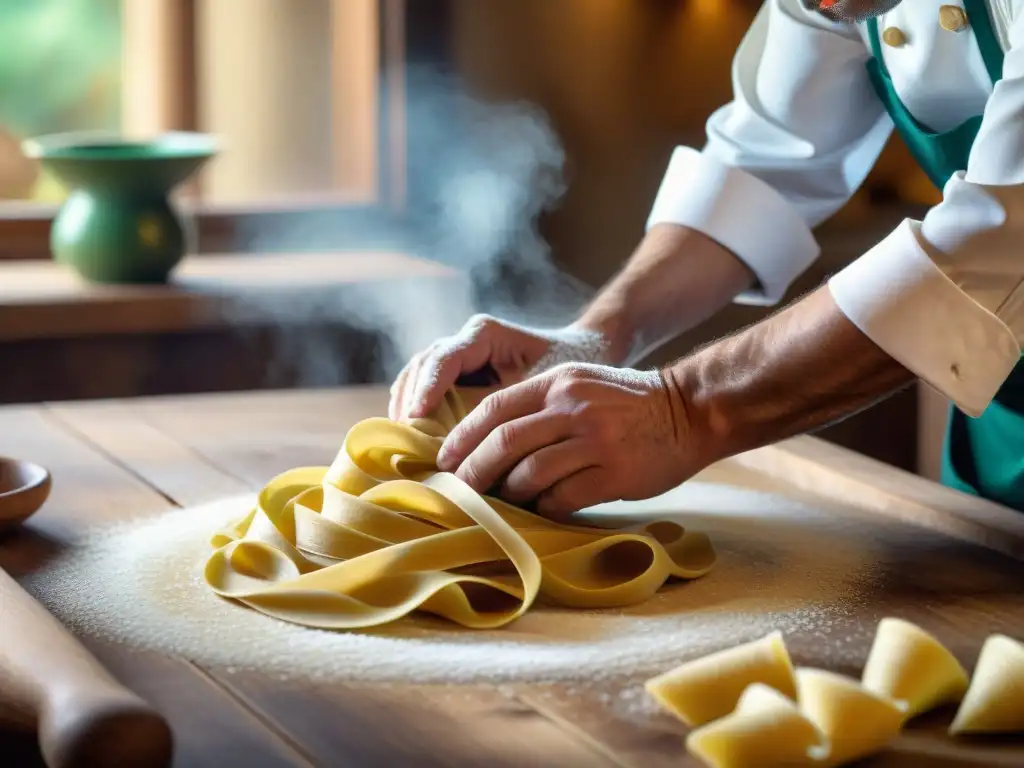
(43, 300)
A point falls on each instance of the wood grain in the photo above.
(210, 727)
(933, 553)
(421, 725)
(822, 468)
(169, 467)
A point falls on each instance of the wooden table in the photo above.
(960, 559)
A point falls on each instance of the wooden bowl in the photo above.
(24, 488)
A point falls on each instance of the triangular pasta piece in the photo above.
(912, 668)
(765, 730)
(855, 721)
(707, 688)
(994, 703)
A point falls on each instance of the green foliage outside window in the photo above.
(60, 70)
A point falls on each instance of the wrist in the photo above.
(705, 423)
(571, 344)
(612, 326)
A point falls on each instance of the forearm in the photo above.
(797, 371)
(676, 278)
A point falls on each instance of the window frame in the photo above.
(410, 32)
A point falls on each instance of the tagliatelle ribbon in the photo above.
(381, 533)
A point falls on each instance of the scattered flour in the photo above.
(781, 566)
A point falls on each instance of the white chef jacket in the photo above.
(943, 296)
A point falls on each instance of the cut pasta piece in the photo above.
(855, 721)
(708, 688)
(765, 730)
(994, 702)
(910, 667)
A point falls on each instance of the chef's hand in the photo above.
(575, 436)
(485, 344)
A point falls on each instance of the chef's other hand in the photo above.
(572, 437)
(498, 352)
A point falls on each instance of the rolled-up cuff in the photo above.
(899, 298)
(741, 213)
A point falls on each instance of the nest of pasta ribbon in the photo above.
(382, 533)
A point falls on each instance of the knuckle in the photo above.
(470, 475)
(585, 411)
(438, 357)
(443, 356)
(530, 469)
(570, 383)
(480, 324)
(505, 438)
(491, 405)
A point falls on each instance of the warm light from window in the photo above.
(60, 70)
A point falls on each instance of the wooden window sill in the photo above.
(41, 299)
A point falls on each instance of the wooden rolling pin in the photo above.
(84, 716)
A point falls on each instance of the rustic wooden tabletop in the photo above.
(952, 564)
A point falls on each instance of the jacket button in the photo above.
(894, 36)
(952, 18)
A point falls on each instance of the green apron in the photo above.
(982, 456)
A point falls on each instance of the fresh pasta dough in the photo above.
(381, 533)
(994, 702)
(855, 721)
(912, 668)
(707, 688)
(766, 729)
(754, 709)
(833, 721)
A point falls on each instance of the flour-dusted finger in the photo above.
(397, 393)
(409, 385)
(441, 368)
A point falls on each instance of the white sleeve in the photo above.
(802, 132)
(945, 296)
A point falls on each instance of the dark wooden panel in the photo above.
(213, 361)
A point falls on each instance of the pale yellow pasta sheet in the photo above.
(381, 533)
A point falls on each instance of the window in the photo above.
(306, 96)
(60, 69)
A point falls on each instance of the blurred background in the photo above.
(517, 143)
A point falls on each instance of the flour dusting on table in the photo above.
(781, 566)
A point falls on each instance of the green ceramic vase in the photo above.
(118, 224)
